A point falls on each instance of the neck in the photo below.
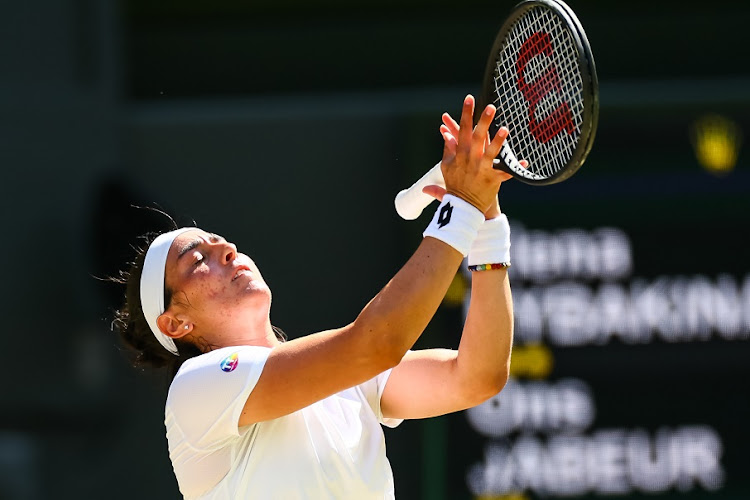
(269, 338)
(256, 334)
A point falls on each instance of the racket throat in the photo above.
(508, 157)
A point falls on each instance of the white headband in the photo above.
(152, 284)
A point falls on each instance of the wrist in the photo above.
(468, 198)
(491, 247)
(456, 223)
(493, 212)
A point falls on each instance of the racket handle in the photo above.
(411, 201)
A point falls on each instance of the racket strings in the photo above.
(539, 92)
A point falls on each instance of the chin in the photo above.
(258, 292)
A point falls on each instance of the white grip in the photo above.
(411, 201)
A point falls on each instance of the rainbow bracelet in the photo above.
(489, 267)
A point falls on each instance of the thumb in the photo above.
(434, 191)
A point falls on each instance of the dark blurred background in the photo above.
(288, 127)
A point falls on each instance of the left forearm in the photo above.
(438, 381)
(484, 351)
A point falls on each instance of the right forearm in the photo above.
(403, 308)
(401, 311)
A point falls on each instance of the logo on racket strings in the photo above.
(229, 363)
(562, 117)
(444, 217)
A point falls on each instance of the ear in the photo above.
(174, 326)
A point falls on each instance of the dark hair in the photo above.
(134, 330)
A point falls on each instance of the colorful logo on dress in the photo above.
(229, 363)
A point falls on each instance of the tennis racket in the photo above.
(541, 77)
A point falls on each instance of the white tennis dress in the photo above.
(333, 449)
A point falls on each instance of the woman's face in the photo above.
(215, 289)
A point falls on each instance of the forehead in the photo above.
(184, 242)
(188, 239)
(182, 245)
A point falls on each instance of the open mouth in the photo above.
(241, 272)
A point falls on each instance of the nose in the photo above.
(228, 253)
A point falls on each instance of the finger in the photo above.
(449, 148)
(497, 142)
(465, 133)
(451, 124)
(449, 140)
(482, 129)
(524, 163)
(434, 191)
(446, 133)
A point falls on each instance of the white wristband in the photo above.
(456, 223)
(492, 244)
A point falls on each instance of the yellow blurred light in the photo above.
(509, 496)
(716, 141)
(531, 361)
(456, 291)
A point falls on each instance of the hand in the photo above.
(451, 130)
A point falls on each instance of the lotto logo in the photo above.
(445, 215)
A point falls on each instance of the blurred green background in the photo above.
(288, 127)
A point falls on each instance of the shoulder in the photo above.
(226, 359)
(209, 391)
(221, 366)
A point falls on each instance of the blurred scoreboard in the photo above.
(631, 287)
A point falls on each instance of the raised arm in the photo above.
(302, 371)
(438, 381)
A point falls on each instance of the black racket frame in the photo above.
(588, 78)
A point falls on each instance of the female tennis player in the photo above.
(251, 416)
